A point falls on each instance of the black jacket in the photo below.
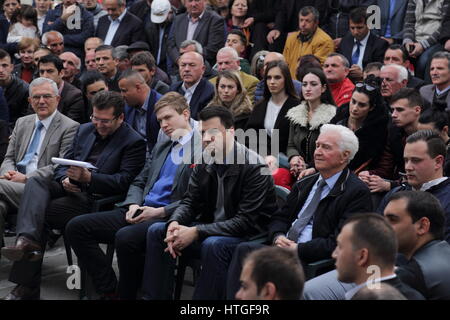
(249, 199)
(349, 196)
(256, 121)
(16, 94)
(129, 31)
(71, 103)
(374, 51)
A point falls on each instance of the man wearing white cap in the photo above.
(157, 30)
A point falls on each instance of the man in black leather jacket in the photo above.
(229, 200)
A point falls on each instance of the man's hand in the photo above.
(284, 242)
(297, 165)
(248, 22)
(172, 231)
(16, 176)
(418, 49)
(306, 172)
(70, 187)
(378, 184)
(364, 176)
(184, 237)
(131, 211)
(273, 35)
(447, 45)
(148, 213)
(337, 43)
(79, 174)
(67, 12)
(356, 73)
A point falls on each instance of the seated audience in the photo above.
(237, 40)
(110, 145)
(71, 68)
(144, 63)
(106, 63)
(437, 92)
(393, 78)
(336, 68)
(54, 41)
(26, 69)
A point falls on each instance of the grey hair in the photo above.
(231, 51)
(77, 60)
(41, 80)
(45, 36)
(348, 140)
(402, 71)
(344, 60)
(198, 46)
(120, 53)
(309, 9)
(442, 55)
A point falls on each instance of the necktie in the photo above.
(355, 56)
(388, 32)
(303, 220)
(32, 149)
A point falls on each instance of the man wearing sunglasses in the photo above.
(117, 152)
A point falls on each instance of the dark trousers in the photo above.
(234, 271)
(86, 232)
(215, 253)
(45, 205)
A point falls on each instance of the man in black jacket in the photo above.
(118, 154)
(317, 206)
(230, 199)
(15, 89)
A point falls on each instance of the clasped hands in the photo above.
(15, 176)
(179, 237)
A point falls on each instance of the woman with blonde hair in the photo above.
(231, 94)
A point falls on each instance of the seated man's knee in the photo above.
(157, 231)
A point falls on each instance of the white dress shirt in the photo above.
(362, 49)
(113, 26)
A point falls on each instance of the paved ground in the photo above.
(55, 276)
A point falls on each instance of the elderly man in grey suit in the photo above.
(153, 196)
(438, 93)
(205, 26)
(35, 140)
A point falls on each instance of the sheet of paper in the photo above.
(75, 163)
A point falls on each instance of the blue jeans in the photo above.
(215, 253)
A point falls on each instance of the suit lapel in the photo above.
(110, 147)
(368, 49)
(201, 23)
(90, 139)
(54, 125)
(182, 31)
(196, 95)
(27, 133)
(120, 31)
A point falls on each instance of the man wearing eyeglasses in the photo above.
(35, 140)
(117, 152)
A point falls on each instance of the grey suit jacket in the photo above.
(210, 32)
(56, 142)
(427, 93)
(144, 182)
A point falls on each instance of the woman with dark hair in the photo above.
(367, 117)
(238, 12)
(307, 62)
(230, 93)
(270, 113)
(317, 108)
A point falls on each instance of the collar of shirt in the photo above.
(145, 105)
(331, 181)
(349, 294)
(198, 19)
(439, 92)
(47, 121)
(184, 139)
(363, 41)
(432, 183)
(119, 18)
(191, 89)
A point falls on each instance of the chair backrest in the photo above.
(282, 194)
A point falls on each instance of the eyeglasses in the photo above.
(37, 97)
(104, 121)
(365, 85)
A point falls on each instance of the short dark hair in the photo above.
(371, 230)
(91, 77)
(327, 96)
(104, 100)
(358, 15)
(396, 46)
(422, 204)
(309, 9)
(372, 66)
(241, 35)
(144, 57)
(440, 118)
(4, 54)
(280, 266)
(436, 145)
(306, 62)
(104, 47)
(51, 58)
(412, 95)
(224, 114)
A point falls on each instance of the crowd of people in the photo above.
(196, 115)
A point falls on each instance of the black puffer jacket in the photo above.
(349, 196)
(249, 199)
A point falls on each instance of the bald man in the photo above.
(71, 68)
(259, 92)
(197, 90)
